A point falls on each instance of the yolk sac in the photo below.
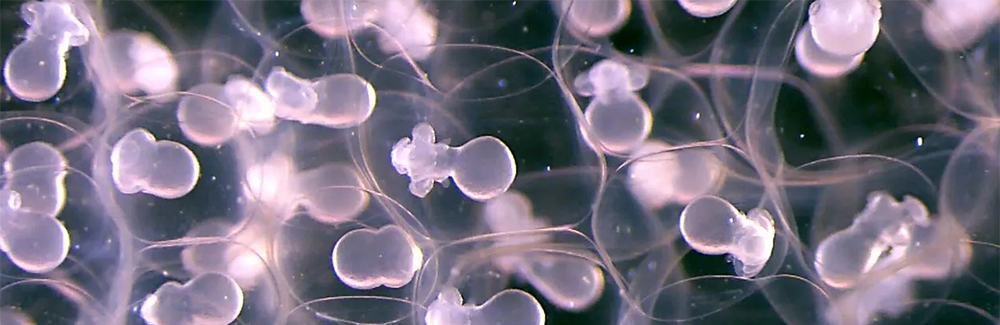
(212, 114)
(657, 178)
(508, 307)
(619, 119)
(845, 256)
(13, 316)
(366, 259)
(572, 283)
(713, 226)
(37, 171)
(481, 168)
(36, 69)
(333, 193)
(35, 242)
(208, 299)
(164, 169)
(845, 27)
(820, 63)
(597, 18)
(338, 18)
(954, 25)
(141, 62)
(706, 8)
(336, 101)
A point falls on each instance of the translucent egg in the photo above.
(482, 168)
(712, 226)
(36, 68)
(706, 8)
(366, 259)
(210, 299)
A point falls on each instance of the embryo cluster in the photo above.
(431, 162)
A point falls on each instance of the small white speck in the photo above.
(920, 141)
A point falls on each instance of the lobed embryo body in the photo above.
(843, 258)
(938, 250)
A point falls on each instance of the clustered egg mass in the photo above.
(500, 162)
